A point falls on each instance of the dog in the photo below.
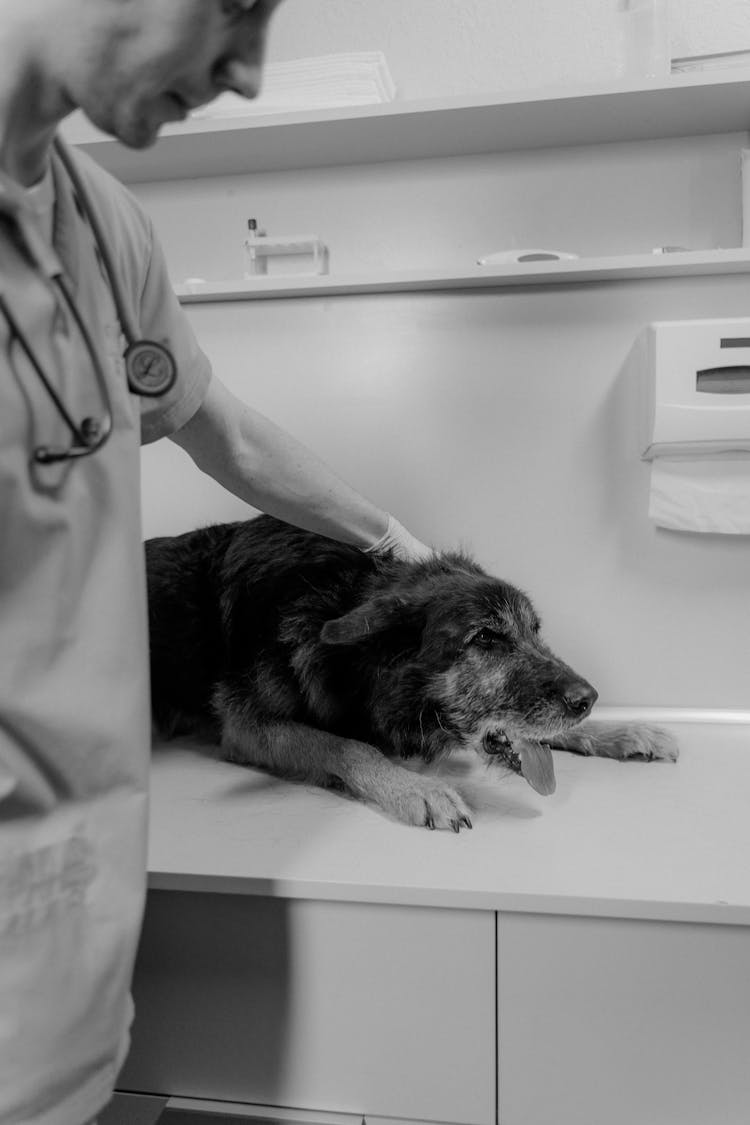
(319, 663)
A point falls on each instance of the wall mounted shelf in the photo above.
(682, 105)
(636, 267)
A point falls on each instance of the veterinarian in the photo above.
(83, 281)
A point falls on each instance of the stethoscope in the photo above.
(150, 367)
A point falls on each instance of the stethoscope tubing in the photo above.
(105, 427)
(123, 313)
(149, 366)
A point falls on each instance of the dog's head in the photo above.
(461, 663)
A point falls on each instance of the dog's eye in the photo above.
(486, 638)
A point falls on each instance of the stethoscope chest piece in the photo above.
(150, 368)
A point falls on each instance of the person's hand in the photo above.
(397, 541)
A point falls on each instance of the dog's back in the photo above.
(244, 599)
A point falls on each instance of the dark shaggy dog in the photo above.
(318, 662)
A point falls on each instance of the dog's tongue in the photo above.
(537, 766)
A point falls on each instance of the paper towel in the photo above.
(702, 495)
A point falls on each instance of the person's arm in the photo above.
(266, 467)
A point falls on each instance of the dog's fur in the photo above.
(318, 662)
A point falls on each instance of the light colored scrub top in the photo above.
(74, 693)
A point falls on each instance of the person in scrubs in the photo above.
(74, 720)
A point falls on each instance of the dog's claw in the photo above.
(465, 820)
(426, 802)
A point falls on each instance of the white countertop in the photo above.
(634, 840)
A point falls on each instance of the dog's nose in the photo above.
(579, 697)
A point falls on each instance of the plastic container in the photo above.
(291, 255)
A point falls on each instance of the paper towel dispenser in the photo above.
(724, 381)
(697, 388)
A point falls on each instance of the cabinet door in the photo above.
(624, 1022)
(346, 1007)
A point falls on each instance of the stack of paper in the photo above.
(355, 78)
(725, 60)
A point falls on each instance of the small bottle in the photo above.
(256, 262)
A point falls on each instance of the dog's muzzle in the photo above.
(533, 760)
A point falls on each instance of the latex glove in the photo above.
(400, 542)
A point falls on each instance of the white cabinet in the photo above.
(609, 1021)
(339, 1007)
(564, 967)
(338, 1011)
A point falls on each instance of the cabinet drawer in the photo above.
(344, 1007)
(619, 1021)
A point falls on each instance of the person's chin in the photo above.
(143, 128)
(140, 132)
(138, 126)
(135, 130)
(138, 139)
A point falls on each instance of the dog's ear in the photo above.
(372, 619)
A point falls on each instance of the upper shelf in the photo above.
(683, 105)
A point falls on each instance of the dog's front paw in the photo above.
(649, 743)
(426, 802)
(623, 741)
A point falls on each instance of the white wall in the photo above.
(503, 421)
(506, 423)
(423, 214)
(438, 47)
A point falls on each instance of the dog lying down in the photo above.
(317, 662)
